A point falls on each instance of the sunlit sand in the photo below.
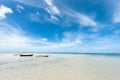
(59, 67)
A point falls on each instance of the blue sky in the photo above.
(60, 26)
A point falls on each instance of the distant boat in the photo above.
(42, 56)
(25, 55)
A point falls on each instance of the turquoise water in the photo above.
(6, 58)
(75, 53)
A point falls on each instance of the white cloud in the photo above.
(116, 11)
(79, 18)
(10, 37)
(47, 5)
(14, 39)
(69, 39)
(49, 2)
(37, 3)
(54, 18)
(86, 21)
(43, 4)
(19, 8)
(52, 9)
(116, 17)
(4, 10)
(65, 13)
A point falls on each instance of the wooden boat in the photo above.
(25, 55)
(42, 56)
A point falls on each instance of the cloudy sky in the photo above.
(60, 26)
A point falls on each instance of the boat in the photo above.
(42, 56)
(25, 55)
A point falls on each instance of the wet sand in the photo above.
(64, 67)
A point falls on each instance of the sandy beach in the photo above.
(59, 67)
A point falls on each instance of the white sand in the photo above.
(70, 67)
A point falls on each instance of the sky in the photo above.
(83, 26)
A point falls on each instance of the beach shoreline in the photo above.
(59, 67)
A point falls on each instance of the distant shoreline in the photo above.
(73, 53)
